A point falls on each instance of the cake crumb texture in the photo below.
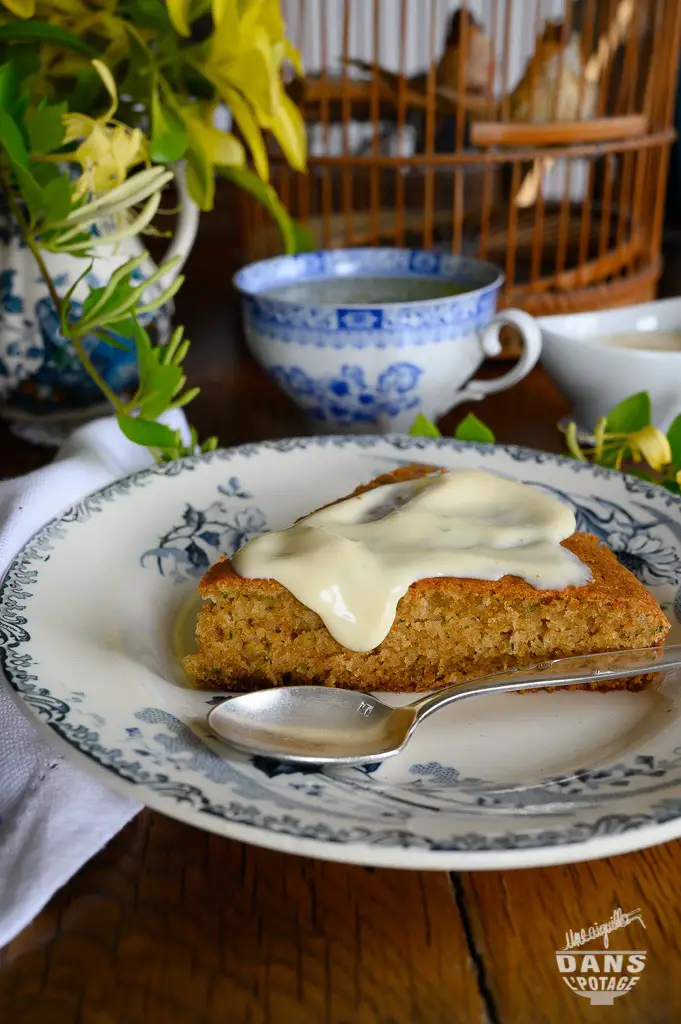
(253, 633)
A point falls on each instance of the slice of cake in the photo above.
(253, 633)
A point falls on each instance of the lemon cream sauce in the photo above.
(353, 561)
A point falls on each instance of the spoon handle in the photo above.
(587, 668)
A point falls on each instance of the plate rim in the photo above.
(358, 851)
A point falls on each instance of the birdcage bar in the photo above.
(629, 78)
(668, 97)
(400, 184)
(489, 137)
(346, 113)
(432, 161)
(506, 59)
(458, 177)
(429, 179)
(375, 183)
(488, 174)
(327, 197)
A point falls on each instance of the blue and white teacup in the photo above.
(363, 340)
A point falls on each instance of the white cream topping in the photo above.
(353, 561)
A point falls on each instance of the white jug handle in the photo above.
(532, 343)
(187, 226)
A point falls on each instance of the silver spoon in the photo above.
(324, 725)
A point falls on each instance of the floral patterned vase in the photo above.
(41, 377)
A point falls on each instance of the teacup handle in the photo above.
(532, 342)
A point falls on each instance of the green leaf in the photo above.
(609, 459)
(671, 485)
(17, 64)
(56, 198)
(35, 31)
(88, 86)
(159, 395)
(145, 357)
(197, 83)
(158, 381)
(674, 438)
(115, 298)
(31, 193)
(44, 173)
(631, 414)
(51, 240)
(473, 429)
(267, 197)
(148, 433)
(8, 93)
(122, 328)
(149, 13)
(186, 398)
(169, 135)
(168, 352)
(304, 240)
(45, 128)
(12, 140)
(200, 177)
(66, 301)
(113, 338)
(423, 427)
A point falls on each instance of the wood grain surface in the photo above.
(519, 919)
(169, 925)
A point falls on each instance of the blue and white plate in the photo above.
(88, 622)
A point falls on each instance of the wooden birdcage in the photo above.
(533, 133)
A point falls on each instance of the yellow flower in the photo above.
(572, 442)
(244, 58)
(21, 8)
(210, 148)
(179, 11)
(107, 150)
(651, 445)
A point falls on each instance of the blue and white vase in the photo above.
(41, 377)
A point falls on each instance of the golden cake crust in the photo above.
(253, 632)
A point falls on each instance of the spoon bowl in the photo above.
(313, 724)
(330, 726)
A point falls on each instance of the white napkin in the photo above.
(53, 817)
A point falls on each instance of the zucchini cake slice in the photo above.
(253, 633)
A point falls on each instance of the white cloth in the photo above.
(53, 817)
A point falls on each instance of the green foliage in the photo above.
(113, 311)
(303, 239)
(115, 67)
(45, 128)
(148, 13)
(36, 31)
(295, 237)
(627, 435)
(473, 429)
(26, 135)
(169, 138)
(631, 414)
(469, 429)
(423, 427)
(674, 438)
(148, 433)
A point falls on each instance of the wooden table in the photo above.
(169, 924)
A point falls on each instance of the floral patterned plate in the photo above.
(88, 621)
